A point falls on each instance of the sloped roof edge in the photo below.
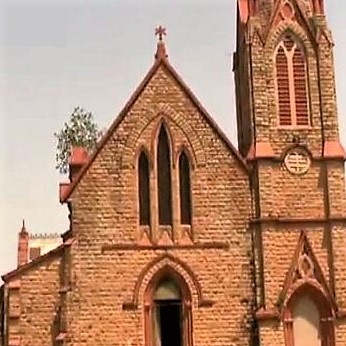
(159, 61)
(55, 252)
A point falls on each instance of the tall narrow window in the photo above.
(306, 323)
(144, 190)
(164, 184)
(291, 78)
(308, 319)
(184, 189)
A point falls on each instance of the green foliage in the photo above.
(80, 130)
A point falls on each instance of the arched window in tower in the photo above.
(306, 323)
(184, 189)
(164, 181)
(144, 189)
(308, 319)
(292, 83)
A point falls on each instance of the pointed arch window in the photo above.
(292, 83)
(184, 189)
(309, 319)
(144, 189)
(164, 180)
(168, 312)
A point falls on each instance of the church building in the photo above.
(176, 237)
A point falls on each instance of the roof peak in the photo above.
(161, 52)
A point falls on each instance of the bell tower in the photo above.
(288, 133)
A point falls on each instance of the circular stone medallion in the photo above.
(297, 161)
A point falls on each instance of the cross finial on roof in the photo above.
(160, 31)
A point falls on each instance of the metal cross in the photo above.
(160, 31)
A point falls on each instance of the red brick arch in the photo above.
(293, 28)
(139, 150)
(323, 303)
(156, 115)
(168, 271)
(184, 148)
(155, 135)
(169, 264)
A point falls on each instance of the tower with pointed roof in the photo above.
(288, 132)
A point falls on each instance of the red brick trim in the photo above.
(186, 302)
(334, 150)
(156, 114)
(169, 266)
(297, 221)
(194, 246)
(317, 282)
(266, 315)
(318, 6)
(186, 149)
(299, 26)
(279, 159)
(324, 306)
(14, 340)
(14, 284)
(162, 123)
(14, 314)
(63, 190)
(243, 8)
(260, 150)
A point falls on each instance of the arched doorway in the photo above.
(168, 311)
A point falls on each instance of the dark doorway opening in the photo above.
(169, 316)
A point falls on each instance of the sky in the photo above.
(57, 54)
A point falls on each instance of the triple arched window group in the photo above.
(292, 83)
(163, 169)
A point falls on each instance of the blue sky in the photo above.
(56, 55)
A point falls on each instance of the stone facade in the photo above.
(267, 230)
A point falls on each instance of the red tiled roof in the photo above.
(161, 60)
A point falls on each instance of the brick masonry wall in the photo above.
(33, 305)
(284, 195)
(105, 212)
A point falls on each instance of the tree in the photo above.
(81, 130)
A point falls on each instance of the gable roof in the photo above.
(160, 60)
